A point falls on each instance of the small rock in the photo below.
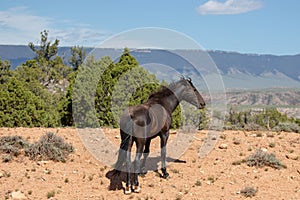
(264, 149)
(292, 156)
(1, 174)
(18, 195)
(223, 146)
(117, 136)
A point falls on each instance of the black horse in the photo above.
(143, 122)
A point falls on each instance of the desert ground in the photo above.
(215, 176)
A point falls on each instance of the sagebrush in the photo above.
(49, 147)
(249, 191)
(12, 145)
(261, 159)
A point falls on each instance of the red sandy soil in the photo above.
(211, 177)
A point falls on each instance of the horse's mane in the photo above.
(161, 92)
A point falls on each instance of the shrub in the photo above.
(287, 127)
(49, 147)
(198, 183)
(266, 119)
(261, 159)
(249, 191)
(6, 158)
(50, 194)
(12, 145)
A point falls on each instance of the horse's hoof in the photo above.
(143, 173)
(117, 173)
(128, 190)
(166, 176)
(137, 189)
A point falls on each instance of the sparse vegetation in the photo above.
(261, 159)
(50, 194)
(287, 127)
(192, 179)
(198, 183)
(6, 158)
(50, 147)
(261, 119)
(12, 145)
(249, 191)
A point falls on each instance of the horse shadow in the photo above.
(117, 177)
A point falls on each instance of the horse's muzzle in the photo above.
(201, 105)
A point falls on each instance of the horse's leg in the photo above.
(128, 167)
(140, 143)
(163, 145)
(145, 156)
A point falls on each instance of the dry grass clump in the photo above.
(12, 145)
(261, 159)
(249, 191)
(50, 147)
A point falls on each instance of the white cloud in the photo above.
(79, 36)
(18, 19)
(229, 7)
(19, 26)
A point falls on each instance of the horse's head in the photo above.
(190, 93)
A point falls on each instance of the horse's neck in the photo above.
(171, 102)
(177, 94)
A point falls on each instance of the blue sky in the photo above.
(246, 26)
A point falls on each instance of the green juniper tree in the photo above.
(78, 54)
(52, 66)
(4, 71)
(122, 84)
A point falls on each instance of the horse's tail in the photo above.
(125, 138)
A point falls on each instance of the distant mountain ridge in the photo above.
(239, 71)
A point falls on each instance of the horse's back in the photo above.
(145, 120)
(134, 116)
